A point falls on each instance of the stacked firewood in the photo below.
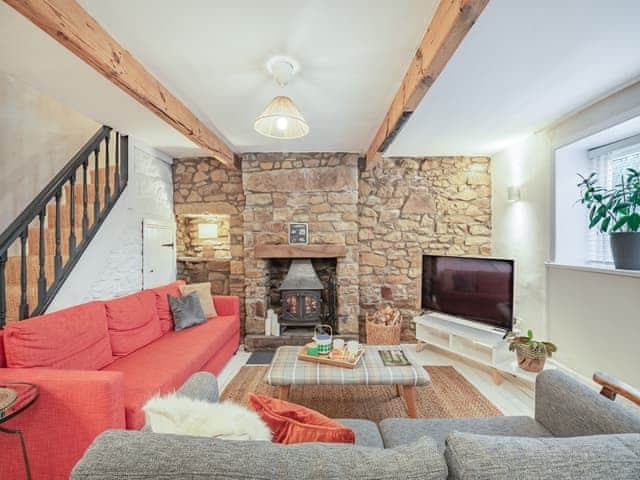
(385, 315)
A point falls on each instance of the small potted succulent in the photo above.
(531, 353)
(616, 211)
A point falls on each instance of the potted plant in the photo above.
(531, 353)
(616, 211)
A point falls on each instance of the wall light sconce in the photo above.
(513, 194)
(207, 231)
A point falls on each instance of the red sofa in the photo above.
(96, 365)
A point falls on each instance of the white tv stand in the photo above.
(470, 340)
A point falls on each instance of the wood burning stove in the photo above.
(301, 296)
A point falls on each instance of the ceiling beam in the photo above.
(68, 23)
(449, 25)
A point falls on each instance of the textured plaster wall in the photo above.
(38, 136)
(112, 265)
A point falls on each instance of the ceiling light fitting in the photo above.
(281, 118)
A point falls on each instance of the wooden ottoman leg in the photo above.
(410, 399)
(283, 392)
(399, 390)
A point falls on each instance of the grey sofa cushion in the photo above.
(568, 408)
(122, 454)
(367, 433)
(599, 457)
(400, 431)
(186, 310)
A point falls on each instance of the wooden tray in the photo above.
(325, 360)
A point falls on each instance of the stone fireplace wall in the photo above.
(411, 206)
(203, 186)
(320, 189)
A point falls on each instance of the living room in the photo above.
(250, 234)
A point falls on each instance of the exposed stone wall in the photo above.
(409, 207)
(197, 270)
(189, 243)
(203, 186)
(320, 189)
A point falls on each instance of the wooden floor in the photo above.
(512, 397)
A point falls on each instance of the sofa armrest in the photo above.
(567, 408)
(201, 386)
(73, 407)
(227, 305)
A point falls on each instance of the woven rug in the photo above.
(450, 395)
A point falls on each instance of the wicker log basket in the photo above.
(384, 326)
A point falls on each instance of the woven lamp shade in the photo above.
(281, 119)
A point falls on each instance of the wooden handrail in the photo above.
(611, 387)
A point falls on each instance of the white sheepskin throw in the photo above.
(181, 415)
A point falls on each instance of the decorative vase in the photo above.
(529, 360)
(625, 247)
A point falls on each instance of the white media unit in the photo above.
(470, 340)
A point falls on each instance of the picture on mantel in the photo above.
(298, 234)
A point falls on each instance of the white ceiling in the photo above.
(524, 65)
(212, 54)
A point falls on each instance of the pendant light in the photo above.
(281, 118)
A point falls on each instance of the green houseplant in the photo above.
(616, 211)
(531, 354)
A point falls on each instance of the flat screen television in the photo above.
(479, 289)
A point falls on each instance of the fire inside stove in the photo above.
(301, 295)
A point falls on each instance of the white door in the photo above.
(158, 254)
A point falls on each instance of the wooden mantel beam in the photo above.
(449, 25)
(68, 23)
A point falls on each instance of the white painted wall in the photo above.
(112, 264)
(592, 316)
(38, 136)
(522, 230)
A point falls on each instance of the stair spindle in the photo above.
(3, 290)
(107, 188)
(96, 184)
(85, 199)
(116, 181)
(42, 276)
(58, 254)
(24, 304)
(72, 214)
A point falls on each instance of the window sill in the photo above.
(594, 269)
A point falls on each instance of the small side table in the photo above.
(15, 398)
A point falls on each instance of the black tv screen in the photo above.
(479, 289)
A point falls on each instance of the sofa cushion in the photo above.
(162, 304)
(293, 423)
(133, 322)
(401, 431)
(186, 311)
(598, 457)
(141, 455)
(367, 433)
(165, 364)
(204, 294)
(73, 338)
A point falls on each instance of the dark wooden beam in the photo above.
(69, 24)
(449, 25)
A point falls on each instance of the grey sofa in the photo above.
(576, 433)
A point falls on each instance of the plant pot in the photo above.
(529, 360)
(625, 247)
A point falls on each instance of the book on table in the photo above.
(394, 358)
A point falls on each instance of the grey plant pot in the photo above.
(625, 247)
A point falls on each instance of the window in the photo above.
(611, 163)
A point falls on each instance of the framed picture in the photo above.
(298, 233)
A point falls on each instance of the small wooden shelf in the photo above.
(300, 251)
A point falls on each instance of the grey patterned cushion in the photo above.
(367, 433)
(568, 408)
(400, 431)
(186, 310)
(598, 457)
(122, 455)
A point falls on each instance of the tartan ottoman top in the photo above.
(286, 369)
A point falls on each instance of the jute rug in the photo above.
(450, 395)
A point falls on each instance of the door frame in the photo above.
(171, 226)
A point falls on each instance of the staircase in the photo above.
(40, 248)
